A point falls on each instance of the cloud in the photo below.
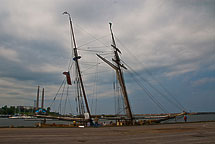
(169, 39)
(181, 69)
(203, 81)
(13, 90)
(45, 68)
(9, 54)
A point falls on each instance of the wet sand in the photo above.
(180, 133)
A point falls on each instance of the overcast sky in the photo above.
(170, 43)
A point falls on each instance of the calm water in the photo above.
(4, 122)
(193, 118)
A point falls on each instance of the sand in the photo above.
(181, 133)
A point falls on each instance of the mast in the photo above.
(119, 74)
(42, 104)
(76, 58)
(38, 95)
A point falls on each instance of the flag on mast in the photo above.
(68, 78)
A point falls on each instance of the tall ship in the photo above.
(74, 78)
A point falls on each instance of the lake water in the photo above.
(193, 118)
(5, 122)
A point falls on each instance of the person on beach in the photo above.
(104, 123)
(111, 122)
(96, 120)
(74, 123)
(185, 118)
(44, 121)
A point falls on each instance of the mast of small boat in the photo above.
(119, 74)
(76, 58)
(38, 95)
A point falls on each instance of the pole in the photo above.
(76, 58)
(42, 104)
(120, 76)
(38, 94)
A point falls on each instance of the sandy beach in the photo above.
(202, 132)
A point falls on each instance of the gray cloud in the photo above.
(169, 39)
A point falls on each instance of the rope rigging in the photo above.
(175, 101)
(59, 107)
(157, 90)
(95, 39)
(149, 94)
(80, 106)
(80, 109)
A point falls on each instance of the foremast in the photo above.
(117, 66)
(76, 58)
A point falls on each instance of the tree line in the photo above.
(5, 110)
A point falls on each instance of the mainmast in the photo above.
(38, 95)
(76, 58)
(119, 74)
(42, 103)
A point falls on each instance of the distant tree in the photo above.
(7, 110)
(4, 109)
(11, 111)
(1, 111)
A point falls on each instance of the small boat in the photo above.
(21, 117)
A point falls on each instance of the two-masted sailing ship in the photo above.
(116, 64)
